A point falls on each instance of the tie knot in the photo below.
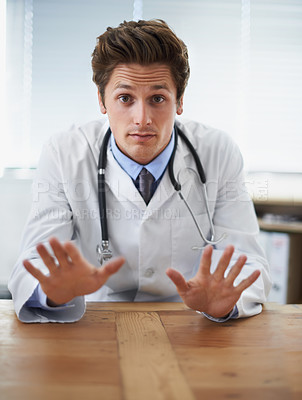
(145, 181)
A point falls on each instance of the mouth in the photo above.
(142, 137)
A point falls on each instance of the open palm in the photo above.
(71, 275)
(213, 293)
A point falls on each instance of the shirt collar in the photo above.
(156, 167)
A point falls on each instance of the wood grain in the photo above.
(129, 351)
(149, 367)
(59, 361)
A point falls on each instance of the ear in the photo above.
(180, 104)
(102, 107)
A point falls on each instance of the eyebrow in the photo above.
(129, 87)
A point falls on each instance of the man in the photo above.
(141, 70)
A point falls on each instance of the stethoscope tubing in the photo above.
(101, 185)
(103, 251)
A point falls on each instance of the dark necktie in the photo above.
(145, 180)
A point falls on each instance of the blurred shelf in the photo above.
(290, 227)
(4, 292)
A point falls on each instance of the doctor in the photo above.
(141, 70)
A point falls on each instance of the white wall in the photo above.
(15, 200)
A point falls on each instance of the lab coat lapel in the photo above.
(121, 184)
(165, 189)
(117, 179)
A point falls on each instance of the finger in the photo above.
(48, 260)
(235, 270)
(73, 253)
(110, 268)
(35, 272)
(224, 262)
(245, 283)
(60, 253)
(178, 280)
(205, 262)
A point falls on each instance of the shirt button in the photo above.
(149, 272)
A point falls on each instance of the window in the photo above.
(245, 56)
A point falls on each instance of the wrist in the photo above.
(219, 315)
(233, 314)
(51, 303)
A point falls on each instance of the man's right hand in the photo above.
(72, 275)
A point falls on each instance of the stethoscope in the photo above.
(103, 251)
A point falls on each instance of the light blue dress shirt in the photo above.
(156, 167)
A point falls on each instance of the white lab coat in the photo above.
(151, 238)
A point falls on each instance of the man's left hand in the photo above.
(213, 293)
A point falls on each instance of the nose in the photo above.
(141, 114)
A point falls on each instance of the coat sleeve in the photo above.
(50, 215)
(235, 216)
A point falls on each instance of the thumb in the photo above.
(110, 268)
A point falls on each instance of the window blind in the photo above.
(246, 71)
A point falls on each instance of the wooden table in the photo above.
(152, 351)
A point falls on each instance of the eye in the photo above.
(124, 98)
(158, 99)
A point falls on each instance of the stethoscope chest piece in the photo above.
(103, 252)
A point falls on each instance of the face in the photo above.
(141, 105)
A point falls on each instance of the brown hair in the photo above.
(142, 42)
